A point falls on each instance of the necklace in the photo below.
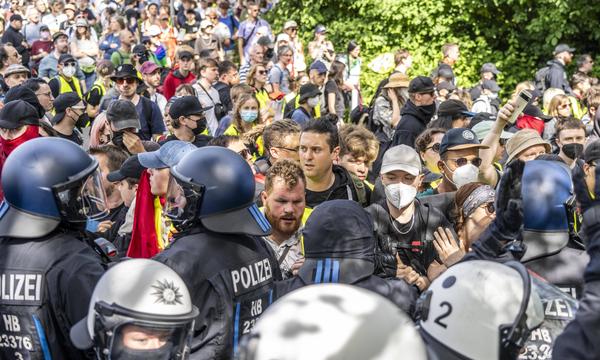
(412, 223)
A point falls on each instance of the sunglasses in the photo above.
(294, 29)
(490, 208)
(129, 81)
(564, 106)
(435, 147)
(262, 72)
(72, 64)
(463, 161)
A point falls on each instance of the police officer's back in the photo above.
(339, 247)
(227, 268)
(47, 274)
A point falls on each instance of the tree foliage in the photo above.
(517, 35)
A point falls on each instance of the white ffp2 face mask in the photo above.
(69, 71)
(313, 102)
(400, 195)
(465, 174)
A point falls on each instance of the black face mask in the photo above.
(117, 139)
(200, 127)
(572, 150)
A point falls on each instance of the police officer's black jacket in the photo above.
(339, 248)
(45, 288)
(580, 338)
(230, 279)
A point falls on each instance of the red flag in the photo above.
(144, 239)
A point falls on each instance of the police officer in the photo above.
(211, 204)
(489, 321)
(333, 321)
(140, 309)
(52, 187)
(339, 246)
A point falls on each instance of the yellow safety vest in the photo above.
(65, 87)
(317, 108)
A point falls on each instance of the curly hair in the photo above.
(288, 170)
(357, 141)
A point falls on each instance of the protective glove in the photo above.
(509, 210)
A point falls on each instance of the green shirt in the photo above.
(119, 57)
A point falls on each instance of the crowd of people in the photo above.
(183, 180)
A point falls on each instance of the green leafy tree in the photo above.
(517, 35)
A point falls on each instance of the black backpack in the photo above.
(540, 78)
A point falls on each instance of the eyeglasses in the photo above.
(463, 161)
(129, 81)
(564, 106)
(296, 149)
(293, 29)
(262, 72)
(435, 147)
(490, 208)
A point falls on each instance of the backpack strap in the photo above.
(361, 191)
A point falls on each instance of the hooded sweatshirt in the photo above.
(413, 121)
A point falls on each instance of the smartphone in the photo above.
(522, 100)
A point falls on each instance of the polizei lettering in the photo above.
(17, 288)
(251, 276)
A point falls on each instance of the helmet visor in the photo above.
(80, 201)
(182, 202)
(138, 340)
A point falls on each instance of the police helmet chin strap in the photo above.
(513, 336)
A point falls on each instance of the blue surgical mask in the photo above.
(249, 115)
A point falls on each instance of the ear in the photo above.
(441, 166)
(274, 153)
(419, 180)
(263, 197)
(335, 154)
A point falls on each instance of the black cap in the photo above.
(459, 139)
(308, 90)
(186, 106)
(479, 117)
(563, 48)
(62, 102)
(126, 71)
(44, 28)
(122, 115)
(452, 108)
(58, 34)
(445, 71)
(535, 111)
(131, 168)
(139, 49)
(23, 93)
(184, 54)
(15, 17)
(592, 151)
(490, 85)
(489, 67)
(420, 84)
(64, 58)
(446, 85)
(18, 113)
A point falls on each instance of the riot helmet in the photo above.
(548, 206)
(479, 310)
(140, 309)
(215, 186)
(47, 181)
(333, 321)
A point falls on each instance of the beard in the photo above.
(285, 224)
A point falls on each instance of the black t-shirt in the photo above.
(332, 88)
(314, 198)
(74, 137)
(200, 141)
